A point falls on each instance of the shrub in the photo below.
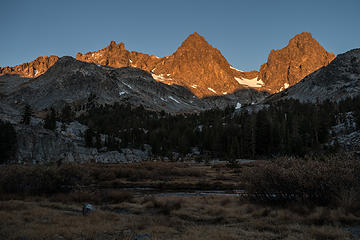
(319, 180)
(41, 179)
(118, 196)
(164, 206)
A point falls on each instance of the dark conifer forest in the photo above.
(280, 128)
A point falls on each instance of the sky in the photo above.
(244, 31)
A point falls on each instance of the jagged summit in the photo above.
(338, 80)
(287, 66)
(114, 55)
(194, 41)
(113, 44)
(301, 37)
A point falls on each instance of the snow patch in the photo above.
(36, 72)
(122, 93)
(127, 85)
(96, 55)
(212, 90)
(161, 77)
(238, 105)
(286, 85)
(254, 82)
(224, 93)
(236, 69)
(174, 99)
(194, 86)
(130, 60)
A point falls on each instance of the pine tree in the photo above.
(67, 115)
(89, 134)
(98, 143)
(234, 151)
(7, 142)
(27, 113)
(50, 120)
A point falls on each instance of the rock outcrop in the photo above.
(31, 69)
(38, 145)
(287, 66)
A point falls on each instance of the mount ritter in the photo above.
(113, 105)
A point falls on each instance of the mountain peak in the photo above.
(114, 55)
(194, 41)
(287, 66)
(301, 39)
(113, 45)
(195, 35)
(303, 35)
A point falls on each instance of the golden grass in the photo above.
(203, 217)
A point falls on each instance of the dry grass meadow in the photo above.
(45, 202)
(205, 217)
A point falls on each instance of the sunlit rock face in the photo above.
(287, 66)
(31, 69)
(338, 80)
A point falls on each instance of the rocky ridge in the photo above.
(83, 85)
(31, 69)
(201, 68)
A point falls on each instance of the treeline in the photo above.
(283, 128)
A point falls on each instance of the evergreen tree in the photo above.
(98, 143)
(63, 127)
(89, 134)
(67, 115)
(234, 151)
(50, 120)
(27, 114)
(7, 142)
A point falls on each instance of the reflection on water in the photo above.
(140, 192)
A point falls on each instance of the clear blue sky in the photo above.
(244, 31)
